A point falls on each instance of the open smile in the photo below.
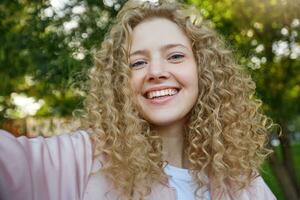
(161, 93)
(161, 96)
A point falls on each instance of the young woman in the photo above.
(169, 116)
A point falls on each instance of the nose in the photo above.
(157, 70)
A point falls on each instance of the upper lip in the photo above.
(160, 87)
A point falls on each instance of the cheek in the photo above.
(136, 83)
(189, 78)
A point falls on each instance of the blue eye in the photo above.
(176, 57)
(138, 64)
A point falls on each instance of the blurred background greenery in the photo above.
(46, 49)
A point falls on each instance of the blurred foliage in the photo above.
(265, 37)
(45, 51)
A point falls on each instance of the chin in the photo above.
(164, 121)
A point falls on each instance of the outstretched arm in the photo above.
(44, 168)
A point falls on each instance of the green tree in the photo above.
(45, 51)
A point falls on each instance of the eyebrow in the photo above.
(164, 47)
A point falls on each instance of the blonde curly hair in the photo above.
(226, 134)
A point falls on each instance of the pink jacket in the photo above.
(60, 168)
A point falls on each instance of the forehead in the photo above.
(157, 32)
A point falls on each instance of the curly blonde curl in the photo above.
(226, 134)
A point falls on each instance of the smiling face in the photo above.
(164, 72)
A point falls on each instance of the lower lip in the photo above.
(162, 100)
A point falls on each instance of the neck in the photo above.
(173, 144)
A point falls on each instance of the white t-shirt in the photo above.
(183, 182)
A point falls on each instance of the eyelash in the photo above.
(136, 64)
(173, 56)
(133, 64)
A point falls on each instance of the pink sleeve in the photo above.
(54, 168)
(257, 190)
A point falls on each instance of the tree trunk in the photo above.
(285, 181)
(286, 150)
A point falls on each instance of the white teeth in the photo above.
(160, 93)
(157, 93)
